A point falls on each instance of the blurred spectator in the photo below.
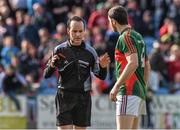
(76, 10)
(8, 51)
(31, 98)
(102, 86)
(134, 15)
(146, 121)
(3, 31)
(2, 75)
(174, 62)
(95, 33)
(15, 63)
(148, 30)
(111, 3)
(98, 18)
(61, 33)
(164, 27)
(28, 31)
(30, 4)
(169, 30)
(19, 15)
(159, 14)
(111, 39)
(46, 43)
(11, 27)
(88, 39)
(176, 85)
(149, 40)
(12, 83)
(29, 63)
(7, 27)
(18, 4)
(159, 72)
(24, 57)
(147, 26)
(146, 4)
(99, 44)
(89, 6)
(174, 12)
(33, 63)
(60, 9)
(42, 18)
(5, 9)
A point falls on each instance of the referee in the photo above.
(75, 61)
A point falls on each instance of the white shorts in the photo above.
(130, 105)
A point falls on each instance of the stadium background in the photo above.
(30, 29)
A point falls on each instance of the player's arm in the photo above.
(130, 68)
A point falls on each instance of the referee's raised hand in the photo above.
(54, 60)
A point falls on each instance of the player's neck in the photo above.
(122, 28)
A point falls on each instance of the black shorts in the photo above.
(73, 108)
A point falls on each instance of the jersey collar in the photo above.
(125, 29)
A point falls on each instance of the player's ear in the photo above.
(113, 21)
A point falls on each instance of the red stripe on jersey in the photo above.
(119, 57)
(129, 43)
(130, 84)
(134, 49)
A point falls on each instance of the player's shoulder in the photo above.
(135, 33)
(131, 35)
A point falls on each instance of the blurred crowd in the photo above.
(30, 29)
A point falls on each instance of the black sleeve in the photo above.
(48, 71)
(102, 73)
(97, 69)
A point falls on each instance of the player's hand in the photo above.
(104, 60)
(54, 60)
(113, 94)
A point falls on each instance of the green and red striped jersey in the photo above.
(130, 42)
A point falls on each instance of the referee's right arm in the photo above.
(49, 70)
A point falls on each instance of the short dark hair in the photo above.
(76, 18)
(119, 14)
